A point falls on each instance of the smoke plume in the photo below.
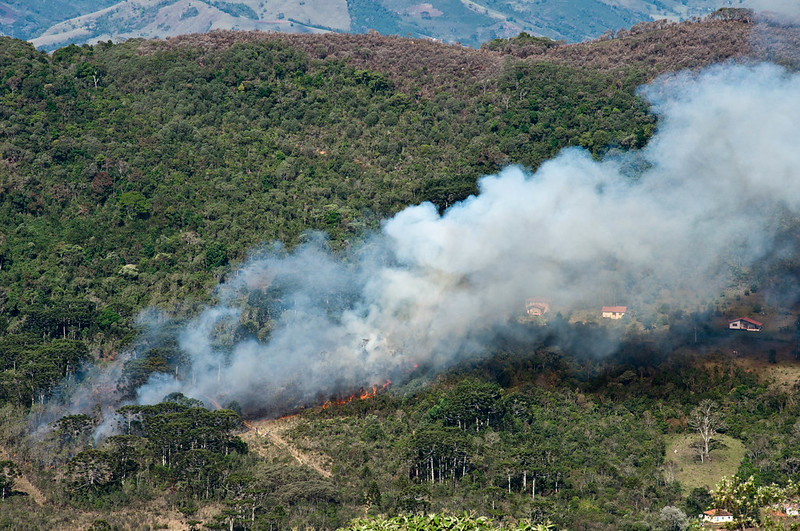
(786, 11)
(704, 195)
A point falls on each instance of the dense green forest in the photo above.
(140, 174)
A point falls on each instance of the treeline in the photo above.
(177, 441)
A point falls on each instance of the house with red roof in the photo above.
(716, 516)
(745, 323)
(791, 508)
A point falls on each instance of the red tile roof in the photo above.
(751, 321)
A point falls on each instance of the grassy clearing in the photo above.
(691, 473)
(783, 375)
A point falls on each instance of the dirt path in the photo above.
(273, 431)
(22, 484)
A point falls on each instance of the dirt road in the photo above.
(274, 431)
(22, 484)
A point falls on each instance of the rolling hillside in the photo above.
(26, 19)
(465, 21)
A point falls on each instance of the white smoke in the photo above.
(429, 288)
(784, 11)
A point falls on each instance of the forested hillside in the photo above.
(134, 173)
(141, 174)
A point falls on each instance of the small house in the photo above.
(717, 516)
(745, 323)
(614, 312)
(536, 307)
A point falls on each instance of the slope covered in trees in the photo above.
(122, 163)
(156, 140)
(135, 174)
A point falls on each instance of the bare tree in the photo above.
(706, 419)
(759, 450)
(698, 448)
(669, 469)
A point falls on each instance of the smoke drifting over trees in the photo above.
(705, 194)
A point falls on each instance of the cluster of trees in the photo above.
(51, 340)
(177, 442)
(33, 368)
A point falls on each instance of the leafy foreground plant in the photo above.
(746, 500)
(433, 522)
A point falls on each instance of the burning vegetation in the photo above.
(361, 395)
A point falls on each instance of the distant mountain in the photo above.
(474, 22)
(165, 18)
(55, 23)
(25, 19)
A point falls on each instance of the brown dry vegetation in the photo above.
(662, 46)
(781, 377)
(659, 47)
(22, 483)
(269, 439)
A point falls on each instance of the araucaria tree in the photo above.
(706, 419)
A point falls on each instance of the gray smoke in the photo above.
(785, 11)
(703, 196)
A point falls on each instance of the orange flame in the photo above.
(363, 395)
(213, 401)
